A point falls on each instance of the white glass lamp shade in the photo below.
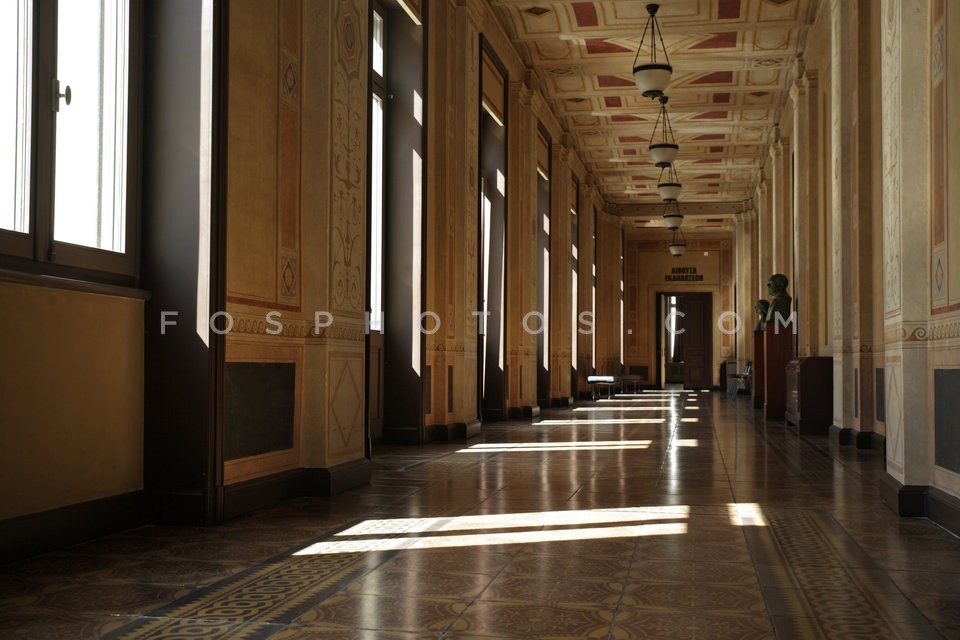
(669, 191)
(677, 248)
(652, 79)
(673, 220)
(663, 154)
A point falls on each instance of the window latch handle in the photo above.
(67, 95)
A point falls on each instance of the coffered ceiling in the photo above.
(732, 62)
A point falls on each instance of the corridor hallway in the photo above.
(653, 515)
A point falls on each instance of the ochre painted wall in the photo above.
(71, 398)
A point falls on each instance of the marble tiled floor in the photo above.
(656, 515)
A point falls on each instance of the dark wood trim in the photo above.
(454, 431)
(337, 479)
(37, 533)
(526, 411)
(841, 435)
(871, 440)
(921, 501)
(173, 507)
(909, 500)
(944, 509)
(220, 50)
(565, 401)
(403, 435)
(71, 284)
(258, 493)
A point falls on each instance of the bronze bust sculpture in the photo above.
(779, 299)
(761, 308)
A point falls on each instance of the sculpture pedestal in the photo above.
(758, 370)
(777, 353)
(810, 394)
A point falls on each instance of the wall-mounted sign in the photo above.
(683, 274)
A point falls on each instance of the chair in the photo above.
(743, 380)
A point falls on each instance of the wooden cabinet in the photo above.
(809, 387)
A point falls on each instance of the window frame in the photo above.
(36, 251)
(377, 85)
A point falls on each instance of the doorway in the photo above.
(684, 339)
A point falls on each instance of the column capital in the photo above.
(590, 185)
(521, 92)
(799, 67)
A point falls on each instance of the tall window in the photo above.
(574, 273)
(67, 116)
(378, 91)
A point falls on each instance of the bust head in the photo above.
(761, 307)
(777, 284)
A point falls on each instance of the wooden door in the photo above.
(697, 339)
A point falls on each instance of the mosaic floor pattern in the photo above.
(693, 520)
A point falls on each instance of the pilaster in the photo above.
(521, 289)
(867, 341)
(587, 270)
(764, 237)
(452, 214)
(806, 215)
(561, 198)
(905, 78)
(780, 214)
(843, 71)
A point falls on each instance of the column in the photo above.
(764, 238)
(743, 308)
(521, 346)
(843, 70)
(905, 81)
(806, 215)
(560, 289)
(780, 213)
(452, 249)
(585, 290)
(866, 338)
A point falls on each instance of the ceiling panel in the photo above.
(732, 60)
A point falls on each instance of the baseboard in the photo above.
(841, 435)
(439, 432)
(492, 415)
(258, 493)
(187, 507)
(453, 431)
(526, 411)
(944, 509)
(472, 428)
(37, 533)
(337, 479)
(561, 402)
(921, 501)
(905, 500)
(872, 440)
(406, 435)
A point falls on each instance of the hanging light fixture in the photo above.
(668, 185)
(652, 77)
(663, 148)
(672, 217)
(678, 245)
